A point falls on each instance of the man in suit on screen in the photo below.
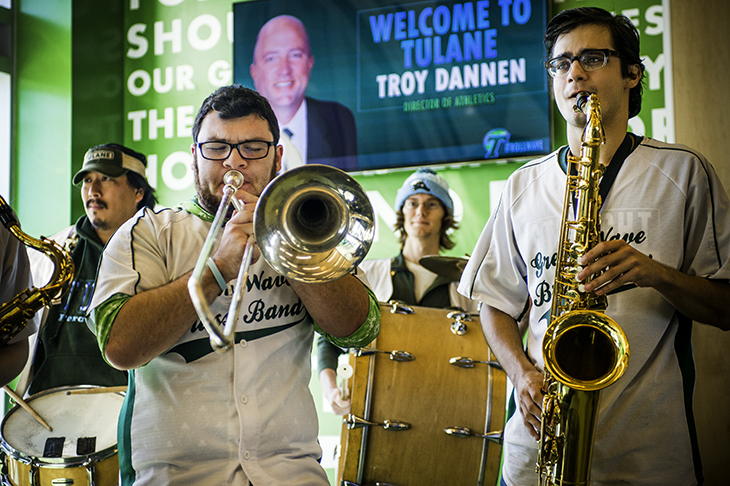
(312, 131)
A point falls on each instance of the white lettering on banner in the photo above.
(659, 129)
(229, 25)
(220, 73)
(185, 77)
(174, 36)
(203, 33)
(185, 119)
(214, 34)
(135, 37)
(136, 118)
(654, 17)
(458, 207)
(139, 81)
(653, 71)
(144, 77)
(159, 86)
(167, 122)
(169, 178)
(636, 125)
(152, 170)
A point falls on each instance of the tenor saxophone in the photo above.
(15, 314)
(584, 349)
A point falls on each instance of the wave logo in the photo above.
(494, 141)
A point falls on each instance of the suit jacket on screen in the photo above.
(331, 134)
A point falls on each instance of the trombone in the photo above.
(312, 224)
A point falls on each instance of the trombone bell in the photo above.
(314, 223)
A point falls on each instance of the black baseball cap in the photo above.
(111, 162)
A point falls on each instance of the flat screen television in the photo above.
(427, 82)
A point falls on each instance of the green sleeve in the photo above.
(102, 317)
(368, 331)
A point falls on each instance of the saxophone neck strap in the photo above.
(630, 142)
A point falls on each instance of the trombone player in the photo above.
(194, 416)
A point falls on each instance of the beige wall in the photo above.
(701, 68)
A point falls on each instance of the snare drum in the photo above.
(428, 403)
(81, 449)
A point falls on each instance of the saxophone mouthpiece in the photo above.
(581, 100)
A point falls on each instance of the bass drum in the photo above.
(428, 403)
(81, 449)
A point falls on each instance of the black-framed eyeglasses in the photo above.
(590, 60)
(250, 150)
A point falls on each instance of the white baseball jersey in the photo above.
(193, 416)
(667, 203)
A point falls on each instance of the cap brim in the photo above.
(104, 168)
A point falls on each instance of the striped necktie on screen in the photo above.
(292, 157)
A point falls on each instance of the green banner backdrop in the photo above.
(178, 51)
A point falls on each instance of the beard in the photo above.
(97, 222)
(206, 199)
(210, 201)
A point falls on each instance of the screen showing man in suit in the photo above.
(312, 131)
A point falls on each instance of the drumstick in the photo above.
(103, 389)
(344, 371)
(24, 405)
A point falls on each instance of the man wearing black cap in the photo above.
(113, 188)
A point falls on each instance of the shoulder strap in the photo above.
(609, 175)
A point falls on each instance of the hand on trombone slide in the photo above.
(236, 233)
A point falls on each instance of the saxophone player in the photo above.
(664, 261)
(14, 278)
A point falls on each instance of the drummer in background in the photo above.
(14, 279)
(113, 187)
(425, 214)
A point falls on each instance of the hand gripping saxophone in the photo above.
(15, 314)
(584, 349)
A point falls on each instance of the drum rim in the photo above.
(54, 462)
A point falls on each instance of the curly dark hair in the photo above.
(236, 101)
(625, 39)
